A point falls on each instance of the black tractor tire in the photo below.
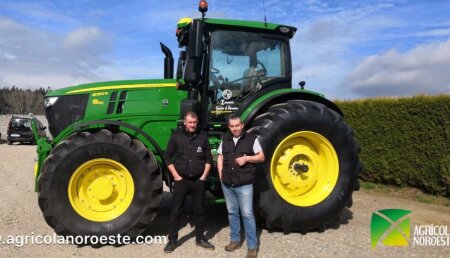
(79, 148)
(282, 120)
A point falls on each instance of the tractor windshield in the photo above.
(241, 62)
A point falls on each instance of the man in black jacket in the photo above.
(188, 158)
(236, 164)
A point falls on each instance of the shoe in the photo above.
(252, 253)
(232, 246)
(204, 243)
(170, 247)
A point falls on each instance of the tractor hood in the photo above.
(112, 85)
(111, 100)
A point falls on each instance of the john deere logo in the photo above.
(391, 227)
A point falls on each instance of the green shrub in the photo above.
(404, 141)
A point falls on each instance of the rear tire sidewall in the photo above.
(325, 124)
(62, 208)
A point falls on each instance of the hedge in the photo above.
(404, 141)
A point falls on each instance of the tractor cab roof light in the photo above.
(203, 7)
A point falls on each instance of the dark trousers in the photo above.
(181, 189)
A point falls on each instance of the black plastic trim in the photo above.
(112, 103)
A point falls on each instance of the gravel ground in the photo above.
(349, 237)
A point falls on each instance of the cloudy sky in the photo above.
(344, 49)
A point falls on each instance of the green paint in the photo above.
(43, 149)
(248, 24)
(155, 110)
(98, 85)
(257, 102)
(217, 201)
(237, 23)
(184, 22)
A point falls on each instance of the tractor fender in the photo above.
(282, 97)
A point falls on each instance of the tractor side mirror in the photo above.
(196, 39)
(181, 63)
(192, 69)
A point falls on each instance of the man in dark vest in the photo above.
(236, 163)
(188, 158)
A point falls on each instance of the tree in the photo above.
(19, 101)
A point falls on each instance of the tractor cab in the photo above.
(225, 64)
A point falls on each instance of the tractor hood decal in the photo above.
(131, 86)
(113, 85)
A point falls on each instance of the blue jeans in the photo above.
(239, 200)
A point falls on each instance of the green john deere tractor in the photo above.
(103, 172)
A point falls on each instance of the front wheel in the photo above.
(313, 166)
(100, 184)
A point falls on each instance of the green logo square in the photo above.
(391, 227)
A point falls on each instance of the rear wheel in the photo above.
(100, 184)
(313, 169)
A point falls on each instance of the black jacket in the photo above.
(188, 153)
(232, 174)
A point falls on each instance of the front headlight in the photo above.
(50, 101)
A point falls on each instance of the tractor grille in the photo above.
(66, 111)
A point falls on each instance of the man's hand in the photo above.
(205, 172)
(259, 157)
(220, 165)
(174, 173)
(241, 160)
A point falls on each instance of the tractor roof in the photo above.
(184, 22)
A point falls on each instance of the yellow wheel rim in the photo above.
(101, 190)
(304, 168)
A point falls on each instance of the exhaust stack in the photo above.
(168, 61)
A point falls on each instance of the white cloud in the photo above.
(83, 37)
(140, 68)
(323, 48)
(30, 57)
(54, 80)
(424, 69)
